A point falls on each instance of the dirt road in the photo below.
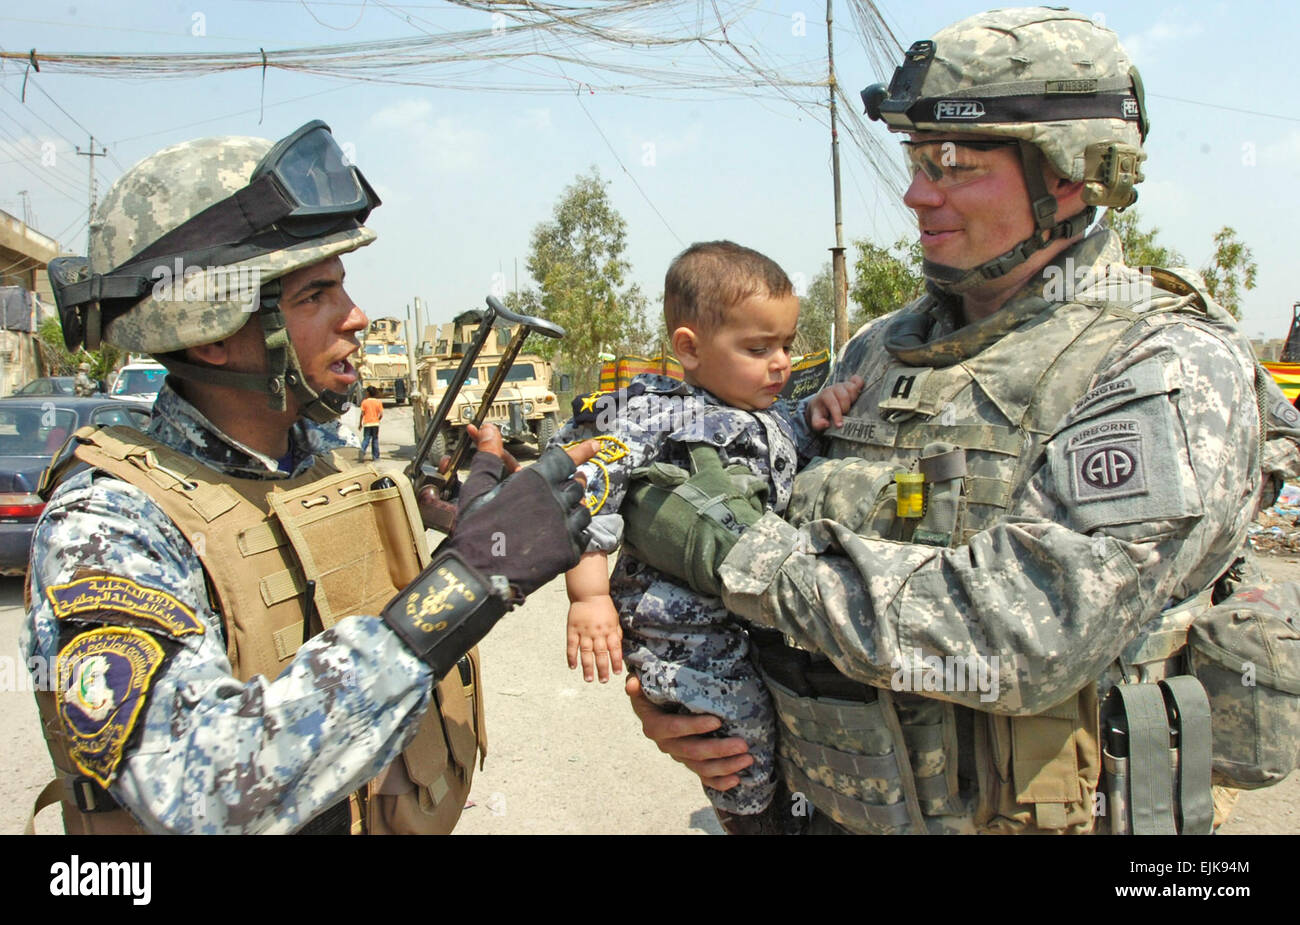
(564, 756)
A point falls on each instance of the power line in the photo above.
(1248, 112)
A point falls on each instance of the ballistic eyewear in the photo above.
(951, 162)
(303, 189)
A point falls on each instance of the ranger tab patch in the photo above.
(1107, 461)
(103, 677)
(123, 602)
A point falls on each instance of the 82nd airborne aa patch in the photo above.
(103, 678)
(1107, 462)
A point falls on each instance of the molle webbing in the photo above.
(252, 572)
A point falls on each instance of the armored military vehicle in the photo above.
(384, 362)
(526, 410)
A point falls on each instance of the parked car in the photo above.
(32, 429)
(50, 385)
(138, 381)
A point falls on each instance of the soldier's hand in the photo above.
(487, 439)
(686, 738)
(528, 528)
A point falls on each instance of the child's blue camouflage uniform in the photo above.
(684, 646)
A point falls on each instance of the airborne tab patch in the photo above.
(121, 601)
(103, 677)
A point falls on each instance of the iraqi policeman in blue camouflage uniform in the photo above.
(1054, 458)
(222, 257)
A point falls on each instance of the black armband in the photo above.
(447, 610)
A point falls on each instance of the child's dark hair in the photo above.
(710, 277)
(371, 391)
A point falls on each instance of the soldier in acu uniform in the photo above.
(1054, 458)
(196, 586)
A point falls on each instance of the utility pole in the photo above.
(838, 270)
(92, 154)
(28, 218)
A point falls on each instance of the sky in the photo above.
(467, 171)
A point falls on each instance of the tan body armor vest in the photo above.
(978, 431)
(353, 533)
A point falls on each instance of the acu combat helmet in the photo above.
(1052, 80)
(189, 245)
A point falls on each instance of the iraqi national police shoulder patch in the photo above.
(103, 677)
(1107, 461)
(122, 602)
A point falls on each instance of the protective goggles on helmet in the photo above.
(303, 189)
(951, 163)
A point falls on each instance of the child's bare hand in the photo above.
(595, 635)
(828, 407)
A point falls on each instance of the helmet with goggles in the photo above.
(189, 244)
(1051, 83)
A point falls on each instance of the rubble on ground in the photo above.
(1276, 530)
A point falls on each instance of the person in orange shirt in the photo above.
(372, 411)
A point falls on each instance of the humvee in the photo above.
(525, 410)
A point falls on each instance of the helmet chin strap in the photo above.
(283, 376)
(955, 281)
(282, 361)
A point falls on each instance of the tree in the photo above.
(817, 313)
(577, 260)
(1231, 269)
(885, 278)
(59, 361)
(1140, 247)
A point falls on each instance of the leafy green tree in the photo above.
(1231, 270)
(884, 278)
(59, 361)
(1140, 246)
(817, 313)
(577, 259)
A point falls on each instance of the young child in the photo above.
(731, 315)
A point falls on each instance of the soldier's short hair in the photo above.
(710, 277)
